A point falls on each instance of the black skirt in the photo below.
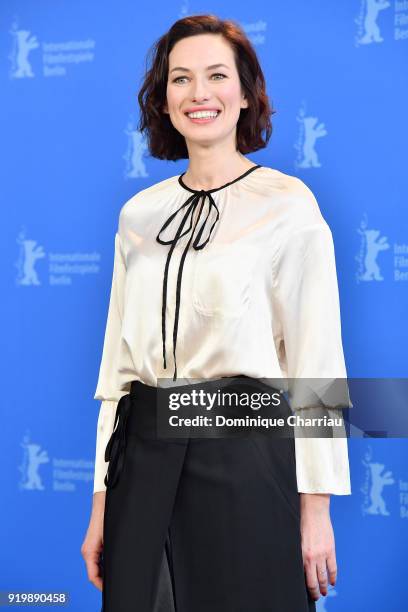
(199, 524)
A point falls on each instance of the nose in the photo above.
(199, 91)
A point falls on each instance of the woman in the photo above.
(238, 260)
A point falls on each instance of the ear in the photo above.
(165, 109)
(244, 101)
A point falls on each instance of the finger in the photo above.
(98, 583)
(94, 575)
(94, 572)
(332, 568)
(311, 580)
(321, 572)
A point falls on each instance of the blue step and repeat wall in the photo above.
(70, 71)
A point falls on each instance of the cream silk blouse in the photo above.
(258, 297)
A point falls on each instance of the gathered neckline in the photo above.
(181, 182)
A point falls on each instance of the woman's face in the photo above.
(192, 84)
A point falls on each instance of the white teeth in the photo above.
(203, 114)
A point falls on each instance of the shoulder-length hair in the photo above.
(164, 141)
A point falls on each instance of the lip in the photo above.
(203, 120)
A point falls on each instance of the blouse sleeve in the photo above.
(306, 299)
(108, 388)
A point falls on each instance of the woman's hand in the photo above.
(318, 548)
(93, 544)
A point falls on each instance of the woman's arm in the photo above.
(108, 391)
(306, 304)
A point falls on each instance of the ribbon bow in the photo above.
(191, 205)
(115, 449)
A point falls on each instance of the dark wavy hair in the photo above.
(164, 141)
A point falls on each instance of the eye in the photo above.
(215, 74)
(177, 79)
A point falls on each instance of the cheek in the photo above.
(172, 99)
(231, 96)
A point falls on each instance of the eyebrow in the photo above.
(208, 68)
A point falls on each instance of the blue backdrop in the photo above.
(70, 72)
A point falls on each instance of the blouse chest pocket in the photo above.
(223, 279)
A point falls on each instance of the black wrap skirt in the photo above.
(199, 524)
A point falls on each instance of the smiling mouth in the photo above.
(204, 119)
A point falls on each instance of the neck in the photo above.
(209, 170)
